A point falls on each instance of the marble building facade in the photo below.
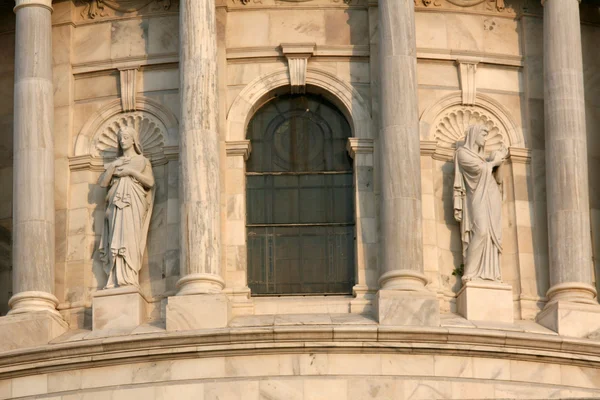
(192, 77)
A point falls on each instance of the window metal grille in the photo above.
(300, 199)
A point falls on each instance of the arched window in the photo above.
(300, 199)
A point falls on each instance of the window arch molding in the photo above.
(264, 87)
(360, 146)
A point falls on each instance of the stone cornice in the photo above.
(363, 339)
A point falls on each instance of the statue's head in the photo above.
(128, 137)
(476, 137)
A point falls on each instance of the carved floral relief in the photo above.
(97, 8)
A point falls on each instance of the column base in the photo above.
(33, 301)
(22, 330)
(199, 311)
(486, 301)
(407, 308)
(122, 308)
(570, 319)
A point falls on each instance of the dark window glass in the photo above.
(300, 199)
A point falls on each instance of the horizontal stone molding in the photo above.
(351, 339)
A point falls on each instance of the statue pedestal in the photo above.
(197, 311)
(486, 301)
(571, 319)
(407, 308)
(31, 329)
(120, 309)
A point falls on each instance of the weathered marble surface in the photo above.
(200, 228)
(31, 329)
(120, 309)
(486, 301)
(197, 311)
(478, 205)
(400, 172)
(568, 208)
(33, 174)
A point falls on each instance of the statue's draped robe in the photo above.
(126, 222)
(478, 196)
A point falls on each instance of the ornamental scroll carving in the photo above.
(488, 5)
(150, 131)
(96, 8)
(453, 124)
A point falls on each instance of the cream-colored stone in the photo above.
(570, 319)
(30, 329)
(198, 311)
(486, 301)
(123, 308)
(325, 389)
(30, 385)
(407, 308)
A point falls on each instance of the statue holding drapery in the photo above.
(478, 205)
(129, 204)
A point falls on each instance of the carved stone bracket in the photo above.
(519, 155)
(297, 55)
(467, 69)
(238, 148)
(359, 146)
(128, 89)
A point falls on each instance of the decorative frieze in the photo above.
(496, 6)
(97, 8)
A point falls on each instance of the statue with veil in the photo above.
(478, 205)
(129, 204)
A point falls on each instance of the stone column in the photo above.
(33, 179)
(402, 299)
(34, 304)
(571, 295)
(200, 234)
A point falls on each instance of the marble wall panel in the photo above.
(92, 43)
(306, 27)
(94, 86)
(163, 35)
(346, 27)
(496, 78)
(257, 22)
(431, 30)
(437, 74)
(157, 79)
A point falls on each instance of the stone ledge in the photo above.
(363, 339)
(27, 330)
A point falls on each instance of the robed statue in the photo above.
(129, 204)
(478, 205)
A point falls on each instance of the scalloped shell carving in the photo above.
(150, 130)
(452, 126)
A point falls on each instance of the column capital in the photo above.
(33, 3)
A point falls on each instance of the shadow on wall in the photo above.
(5, 269)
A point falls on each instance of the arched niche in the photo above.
(444, 123)
(157, 126)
